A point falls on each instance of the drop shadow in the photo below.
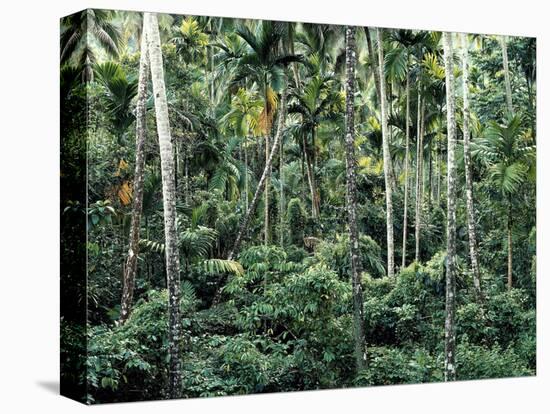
(51, 386)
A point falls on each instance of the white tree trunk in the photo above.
(169, 203)
(507, 84)
(450, 299)
(141, 134)
(387, 156)
(472, 239)
(266, 192)
(282, 195)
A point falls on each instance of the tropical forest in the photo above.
(255, 206)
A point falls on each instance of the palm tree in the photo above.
(120, 93)
(141, 133)
(472, 240)
(397, 65)
(351, 194)
(195, 242)
(386, 154)
(419, 172)
(430, 79)
(450, 329)
(243, 120)
(510, 163)
(230, 173)
(266, 173)
(314, 103)
(169, 202)
(265, 64)
(80, 31)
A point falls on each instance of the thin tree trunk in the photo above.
(419, 177)
(472, 239)
(360, 349)
(407, 140)
(266, 190)
(374, 61)
(313, 168)
(507, 85)
(387, 157)
(450, 328)
(440, 180)
(282, 195)
(509, 234)
(169, 203)
(186, 173)
(266, 193)
(438, 173)
(246, 173)
(430, 172)
(263, 179)
(141, 134)
(309, 174)
(531, 110)
(389, 105)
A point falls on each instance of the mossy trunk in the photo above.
(169, 204)
(406, 191)
(141, 134)
(472, 239)
(387, 157)
(505, 66)
(450, 276)
(419, 177)
(360, 348)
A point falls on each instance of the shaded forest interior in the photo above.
(278, 206)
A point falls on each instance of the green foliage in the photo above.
(296, 217)
(475, 362)
(336, 255)
(394, 366)
(280, 317)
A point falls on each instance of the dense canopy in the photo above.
(287, 206)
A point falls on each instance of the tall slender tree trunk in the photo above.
(387, 156)
(265, 175)
(169, 203)
(267, 184)
(389, 106)
(407, 140)
(430, 172)
(282, 195)
(266, 195)
(246, 173)
(360, 349)
(186, 157)
(374, 60)
(472, 239)
(419, 177)
(450, 296)
(310, 179)
(141, 134)
(316, 199)
(440, 158)
(507, 84)
(509, 234)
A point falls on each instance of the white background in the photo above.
(29, 191)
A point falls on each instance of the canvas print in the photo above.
(254, 206)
